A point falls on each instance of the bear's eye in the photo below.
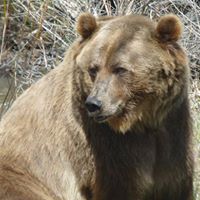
(119, 70)
(93, 71)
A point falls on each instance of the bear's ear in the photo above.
(86, 25)
(169, 28)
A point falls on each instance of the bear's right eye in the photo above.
(119, 70)
(93, 71)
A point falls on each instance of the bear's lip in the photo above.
(98, 116)
(101, 118)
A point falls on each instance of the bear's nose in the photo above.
(93, 104)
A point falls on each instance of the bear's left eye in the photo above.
(119, 70)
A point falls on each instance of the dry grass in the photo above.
(195, 104)
(35, 34)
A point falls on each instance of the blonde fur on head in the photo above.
(86, 25)
(169, 28)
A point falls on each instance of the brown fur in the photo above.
(136, 147)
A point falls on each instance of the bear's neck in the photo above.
(117, 159)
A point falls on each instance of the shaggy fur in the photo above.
(137, 146)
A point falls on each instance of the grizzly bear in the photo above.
(111, 122)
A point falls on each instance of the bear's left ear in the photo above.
(86, 25)
(169, 28)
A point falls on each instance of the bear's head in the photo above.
(133, 70)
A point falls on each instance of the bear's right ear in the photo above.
(86, 25)
(169, 28)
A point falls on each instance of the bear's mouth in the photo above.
(101, 118)
(106, 115)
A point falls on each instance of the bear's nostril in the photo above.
(92, 104)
